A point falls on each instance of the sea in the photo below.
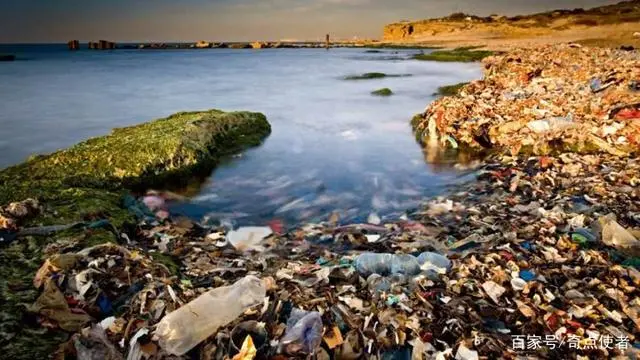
(334, 147)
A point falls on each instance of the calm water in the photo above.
(333, 147)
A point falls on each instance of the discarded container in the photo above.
(551, 124)
(304, 332)
(613, 234)
(181, 330)
(404, 264)
(401, 264)
(434, 261)
(369, 263)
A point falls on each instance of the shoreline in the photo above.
(530, 242)
(82, 196)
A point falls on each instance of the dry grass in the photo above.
(610, 26)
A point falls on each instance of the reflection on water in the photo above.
(334, 146)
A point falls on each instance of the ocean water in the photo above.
(334, 146)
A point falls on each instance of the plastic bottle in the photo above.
(184, 328)
(404, 264)
(387, 264)
(434, 261)
(371, 263)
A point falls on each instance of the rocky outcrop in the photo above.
(7, 57)
(73, 45)
(399, 31)
(501, 26)
(202, 44)
(138, 155)
(102, 45)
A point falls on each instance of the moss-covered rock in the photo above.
(373, 75)
(450, 90)
(382, 92)
(145, 154)
(396, 46)
(455, 55)
(86, 182)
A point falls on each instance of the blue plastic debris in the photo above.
(527, 275)
(105, 304)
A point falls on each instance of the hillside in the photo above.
(613, 25)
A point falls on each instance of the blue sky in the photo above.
(234, 20)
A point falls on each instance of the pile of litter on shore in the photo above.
(538, 101)
(537, 257)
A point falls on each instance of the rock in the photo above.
(382, 92)
(102, 45)
(73, 45)
(7, 57)
(202, 44)
(240, 46)
(22, 209)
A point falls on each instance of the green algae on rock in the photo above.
(455, 55)
(382, 92)
(87, 182)
(450, 90)
(142, 155)
(373, 75)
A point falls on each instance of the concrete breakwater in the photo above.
(109, 45)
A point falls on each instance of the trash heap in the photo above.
(537, 257)
(550, 99)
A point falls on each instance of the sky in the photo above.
(37, 21)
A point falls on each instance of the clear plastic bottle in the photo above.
(371, 263)
(387, 264)
(434, 261)
(184, 328)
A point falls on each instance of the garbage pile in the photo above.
(538, 257)
(551, 99)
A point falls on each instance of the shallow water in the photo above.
(334, 146)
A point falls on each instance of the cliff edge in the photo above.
(612, 25)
